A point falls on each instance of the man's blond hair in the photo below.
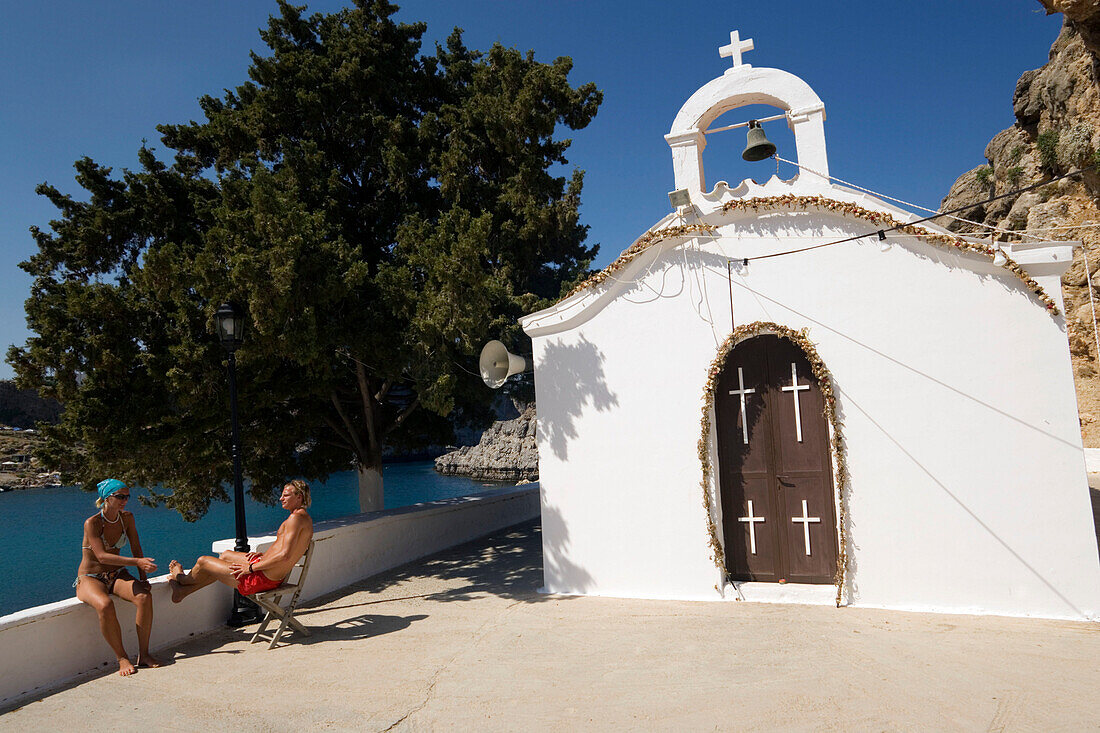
(301, 488)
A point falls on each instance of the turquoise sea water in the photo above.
(42, 528)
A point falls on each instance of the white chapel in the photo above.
(797, 392)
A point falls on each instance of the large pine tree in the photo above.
(376, 212)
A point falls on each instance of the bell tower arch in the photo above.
(740, 86)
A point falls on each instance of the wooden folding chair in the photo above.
(271, 601)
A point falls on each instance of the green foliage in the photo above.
(1015, 155)
(984, 175)
(378, 213)
(1047, 143)
(1075, 146)
(1014, 174)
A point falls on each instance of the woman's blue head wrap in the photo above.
(108, 486)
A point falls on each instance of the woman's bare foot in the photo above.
(147, 660)
(125, 668)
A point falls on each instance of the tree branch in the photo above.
(337, 444)
(354, 437)
(368, 409)
(403, 416)
(384, 391)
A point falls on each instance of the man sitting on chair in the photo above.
(253, 572)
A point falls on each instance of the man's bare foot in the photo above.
(178, 593)
(176, 572)
(125, 668)
(147, 660)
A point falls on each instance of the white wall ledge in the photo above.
(64, 639)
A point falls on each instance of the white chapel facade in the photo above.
(787, 392)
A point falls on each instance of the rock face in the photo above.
(506, 452)
(1057, 131)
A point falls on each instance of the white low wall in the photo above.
(64, 641)
(1092, 460)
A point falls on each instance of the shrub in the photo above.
(1048, 150)
(1075, 146)
(984, 175)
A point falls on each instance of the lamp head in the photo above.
(230, 326)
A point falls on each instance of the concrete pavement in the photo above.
(462, 641)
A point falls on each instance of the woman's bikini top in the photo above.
(119, 543)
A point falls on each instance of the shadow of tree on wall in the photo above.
(570, 377)
(568, 576)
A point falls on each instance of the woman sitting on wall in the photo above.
(103, 573)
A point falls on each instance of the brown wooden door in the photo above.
(774, 472)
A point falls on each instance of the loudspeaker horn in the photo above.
(497, 364)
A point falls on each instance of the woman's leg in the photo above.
(94, 593)
(139, 593)
(207, 570)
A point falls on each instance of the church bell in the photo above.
(758, 147)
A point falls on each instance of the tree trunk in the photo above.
(370, 489)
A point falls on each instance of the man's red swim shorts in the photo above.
(255, 582)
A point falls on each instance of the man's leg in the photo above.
(207, 570)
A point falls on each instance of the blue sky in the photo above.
(912, 91)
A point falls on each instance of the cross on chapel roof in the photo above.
(734, 49)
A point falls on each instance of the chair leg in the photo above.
(271, 606)
(297, 626)
(262, 629)
(279, 633)
(276, 611)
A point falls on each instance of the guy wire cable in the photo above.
(1017, 192)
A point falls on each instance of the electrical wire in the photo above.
(900, 201)
(1017, 192)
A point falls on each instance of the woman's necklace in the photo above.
(116, 520)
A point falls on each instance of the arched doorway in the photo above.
(774, 472)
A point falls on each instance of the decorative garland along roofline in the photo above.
(647, 240)
(839, 452)
(886, 221)
(790, 201)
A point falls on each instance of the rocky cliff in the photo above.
(506, 452)
(1057, 130)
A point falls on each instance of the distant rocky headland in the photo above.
(19, 469)
(506, 452)
(21, 410)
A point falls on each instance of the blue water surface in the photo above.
(42, 529)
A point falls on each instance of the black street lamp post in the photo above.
(230, 327)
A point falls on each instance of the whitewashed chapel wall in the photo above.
(968, 489)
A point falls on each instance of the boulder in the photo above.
(506, 452)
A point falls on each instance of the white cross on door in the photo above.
(795, 388)
(741, 392)
(805, 519)
(751, 520)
